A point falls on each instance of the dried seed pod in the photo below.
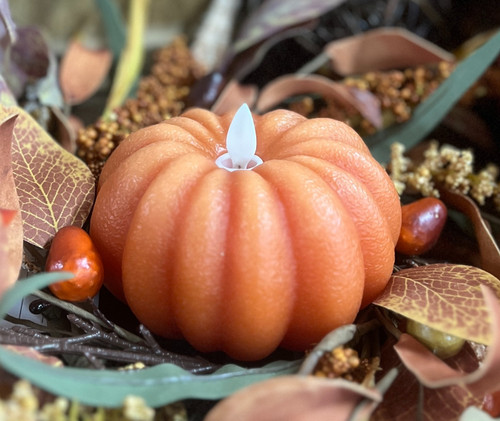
(422, 223)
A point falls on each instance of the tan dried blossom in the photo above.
(135, 409)
(446, 166)
(399, 166)
(340, 362)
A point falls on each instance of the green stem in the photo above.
(131, 59)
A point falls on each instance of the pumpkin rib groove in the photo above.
(373, 229)
(362, 166)
(140, 139)
(114, 208)
(213, 134)
(329, 130)
(258, 299)
(324, 279)
(199, 262)
(146, 286)
(271, 127)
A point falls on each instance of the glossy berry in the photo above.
(422, 223)
(72, 250)
(491, 403)
(440, 343)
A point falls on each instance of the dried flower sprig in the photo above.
(445, 166)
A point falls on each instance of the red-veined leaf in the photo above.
(11, 224)
(435, 373)
(445, 297)
(54, 187)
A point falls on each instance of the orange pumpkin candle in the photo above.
(239, 252)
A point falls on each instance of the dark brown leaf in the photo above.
(12, 225)
(275, 15)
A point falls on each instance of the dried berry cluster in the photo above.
(160, 95)
(445, 166)
(340, 362)
(398, 91)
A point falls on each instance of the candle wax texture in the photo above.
(246, 261)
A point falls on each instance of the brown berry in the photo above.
(422, 223)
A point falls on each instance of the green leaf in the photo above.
(113, 24)
(428, 114)
(158, 385)
(26, 286)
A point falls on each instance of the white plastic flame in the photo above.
(241, 143)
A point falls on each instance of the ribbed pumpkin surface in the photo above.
(246, 261)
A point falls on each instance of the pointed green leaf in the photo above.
(158, 385)
(428, 114)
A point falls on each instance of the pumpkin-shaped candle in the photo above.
(274, 241)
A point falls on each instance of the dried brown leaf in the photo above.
(401, 401)
(488, 248)
(54, 187)
(82, 71)
(233, 96)
(382, 49)
(13, 228)
(276, 15)
(435, 373)
(287, 86)
(445, 297)
(294, 398)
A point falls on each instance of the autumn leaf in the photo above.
(445, 297)
(55, 188)
(488, 248)
(294, 398)
(9, 204)
(82, 71)
(432, 372)
(275, 15)
(404, 401)
(382, 49)
(287, 86)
